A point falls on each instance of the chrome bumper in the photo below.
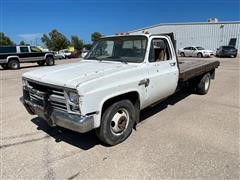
(54, 117)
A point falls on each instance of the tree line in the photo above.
(55, 41)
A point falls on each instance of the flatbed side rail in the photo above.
(197, 71)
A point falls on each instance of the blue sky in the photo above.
(29, 19)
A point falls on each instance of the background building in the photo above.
(209, 35)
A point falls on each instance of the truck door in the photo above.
(162, 69)
(191, 51)
(36, 53)
(24, 54)
(187, 51)
(194, 51)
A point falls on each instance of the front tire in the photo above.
(13, 64)
(199, 55)
(50, 61)
(204, 84)
(117, 123)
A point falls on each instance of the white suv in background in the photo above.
(195, 51)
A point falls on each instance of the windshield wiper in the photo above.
(117, 58)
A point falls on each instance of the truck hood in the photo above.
(74, 74)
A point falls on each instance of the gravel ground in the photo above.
(185, 137)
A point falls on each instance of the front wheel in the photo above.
(199, 55)
(50, 61)
(117, 122)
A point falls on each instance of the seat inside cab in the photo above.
(160, 50)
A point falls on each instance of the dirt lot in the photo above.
(186, 136)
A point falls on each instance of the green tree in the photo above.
(77, 43)
(96, 36)
(22, 43)
(87, 46)
(55, 40)
(4, 40)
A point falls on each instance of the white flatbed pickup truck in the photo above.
(105, 91)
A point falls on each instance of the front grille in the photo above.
(55, 95)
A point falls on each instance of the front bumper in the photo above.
(208, 54)
(55, 117)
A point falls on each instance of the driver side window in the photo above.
(159, 51)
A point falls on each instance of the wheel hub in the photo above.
(14, 65)
(120, 121)
(206, 85)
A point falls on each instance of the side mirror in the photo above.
(217, 49)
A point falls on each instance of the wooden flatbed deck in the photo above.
(193, 68)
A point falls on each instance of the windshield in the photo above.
(228, 47)
(200, 48)
(35, 49)
(123, 49)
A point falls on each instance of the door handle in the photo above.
(144, 82)
(172, 64)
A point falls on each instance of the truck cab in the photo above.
(120, 76)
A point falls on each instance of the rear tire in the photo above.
(41, 63)
(13, 64)
(4, 66)
(117, 123)
(182, 54)
(203, 85)
(50, 61)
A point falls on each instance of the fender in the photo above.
(10, 57)
(48, 54)
(111, 96)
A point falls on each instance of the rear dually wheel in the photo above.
(204, 84)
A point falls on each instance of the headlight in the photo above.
(73, 97)
(24, 83)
